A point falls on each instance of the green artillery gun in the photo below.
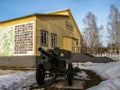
(54, 62)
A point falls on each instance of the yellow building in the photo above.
(21, 37)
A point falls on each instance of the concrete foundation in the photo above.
(77, 85)
(18, 61)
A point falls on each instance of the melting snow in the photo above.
(12, 80)
(19, 80)
(110, 72)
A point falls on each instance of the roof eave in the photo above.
(35, 14)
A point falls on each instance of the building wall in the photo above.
(77, 37)
(53, 24)
(77, 40)
(11, 31)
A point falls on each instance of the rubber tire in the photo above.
(70, 74)
(40, 74)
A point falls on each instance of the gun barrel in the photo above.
(44, 52)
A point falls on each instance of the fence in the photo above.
(114, 56)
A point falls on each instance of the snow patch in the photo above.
(17, 79)
(21, 80)
(110, 72)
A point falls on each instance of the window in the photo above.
(53, 40)
(44, 37)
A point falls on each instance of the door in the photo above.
(67, 43)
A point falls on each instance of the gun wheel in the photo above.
(70, 74)
(40, 74)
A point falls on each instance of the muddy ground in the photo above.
(94, 79)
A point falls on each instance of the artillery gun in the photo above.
(54, 62)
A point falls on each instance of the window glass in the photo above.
(44, 38)
(53, 40)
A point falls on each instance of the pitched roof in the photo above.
(63, 12)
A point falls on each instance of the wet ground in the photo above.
(59, 85)
(62, 84)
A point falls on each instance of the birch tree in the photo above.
(91, 32)
(114, 27)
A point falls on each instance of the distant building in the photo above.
(21, 37)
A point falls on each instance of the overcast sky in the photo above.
(100, 8)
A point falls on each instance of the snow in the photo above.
(81, 76)
(110, 84)
(106, 71)
(21, 80)
(110, 72)
(16, 80)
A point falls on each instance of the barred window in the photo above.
(44, 37)
(53, 40)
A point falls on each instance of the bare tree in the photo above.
(91, 32)
(114, 27)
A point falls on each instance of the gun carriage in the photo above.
(54, 62)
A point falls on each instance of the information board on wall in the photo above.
(17, 39)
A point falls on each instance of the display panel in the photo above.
(17, 39)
